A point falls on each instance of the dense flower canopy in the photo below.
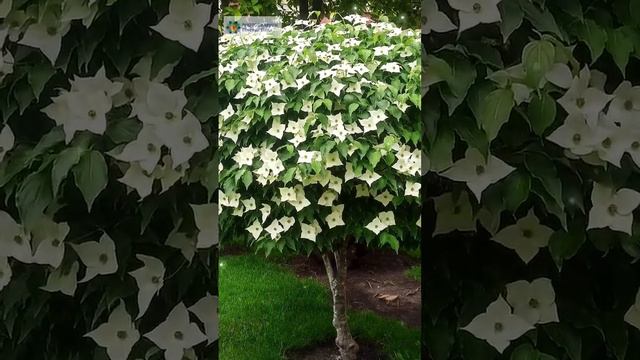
(319, 136)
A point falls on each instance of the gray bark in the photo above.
(337, 282)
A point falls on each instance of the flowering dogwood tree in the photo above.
(106, 150)
(533, 144)
(319, 143)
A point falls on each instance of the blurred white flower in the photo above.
(474, 12)
(63, 279)
(477, 172)
(453, 213)
(206, 218)
(498, 326)
(533, 301)
(176, 334)
(5, 272)
(48, 237)
(206, 309)
(145, 150)
(612, 209)
(525, 237)
(7, 141)
(184, 139)
(117, 335)
(625, 106)
(98, 256)
(185, 22)
(575, 135)
(435, 20)
(139, 179)
(150, 279)
(15, 242)
(632, 316)
(583, 99)
(46, 36)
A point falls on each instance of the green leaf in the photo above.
(169, 52)
(33, 197)
(38, 77)
(353, 107)
(494, 111)
(463, 76)
(537, 58)
(386, 238)
(374, 157)
(567, 338)
(524, 352)
(542, 168)
(563, 245)
(122, 131)
(63, 163)
(91, 176)
(620, 45)
(541, 112)
(469, 132)
(512, 16)
(516, 187)
(247, 179)
(542, 20)
(594, 36)
(23, 95)
(616, 334)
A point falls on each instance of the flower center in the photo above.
(1, 149)
(606, 143)
(480, 170)
(168, 115)
(628, 105)
(613, 209)
(155, 280)
(103, 258)
(635, 145)
(51, 30)
(498, 327)
(18, 239)
(533, 303)
(580, 102)
(527, 233)
(151, 147)
(188, 25)
(186, 140)
(55, 243)
(178, 335)
(146, 173)
(179, 168)
(92, 113)
(121, 334)
(128, 93)
(576, 138)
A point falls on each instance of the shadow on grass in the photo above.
(266, 311)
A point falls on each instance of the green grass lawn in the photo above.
(266, 310)
(414, 272)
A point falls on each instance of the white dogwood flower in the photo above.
(612, 209)
(176, 334)
(498, 326)
(525, 237)
(412, 189)
(185, 22)
(160, 105)
(453, 214)
(138, 179)
(150, 279)
(474, 12)
(7, 141)
(308, 231)
(206, 219)
(46, 36)
(327, 198)
(255, 229)
(145, 150)
(477, 172)
(15, 242)
(435, 20)
(5, 272)
(206, 310)
(581, 98)
(98, 256)
(335, 218)
(64, 280)
(286, 222)
(632, 316)
(533, 301)
(384, 198)
(117, 335)
(277, 108)
(186, 243)
(48, 237)
(274, 229)
(575, 135)
(625, 106)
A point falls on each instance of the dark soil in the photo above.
(329, 351)
(374, 274)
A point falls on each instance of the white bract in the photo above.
(176, 334)
(206, 309)
(117, 335)
(498, 326)
(98, 256)
(453, 213)
(632, 316)
(477, 171)
(435, 20)
(612, 208)
(150, 279)
(474, 12)
(525, 237)
(581, 98)
(185, 22)
(533, 301)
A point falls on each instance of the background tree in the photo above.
(318, 147)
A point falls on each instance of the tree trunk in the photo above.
(337, 282)
(304, 9)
